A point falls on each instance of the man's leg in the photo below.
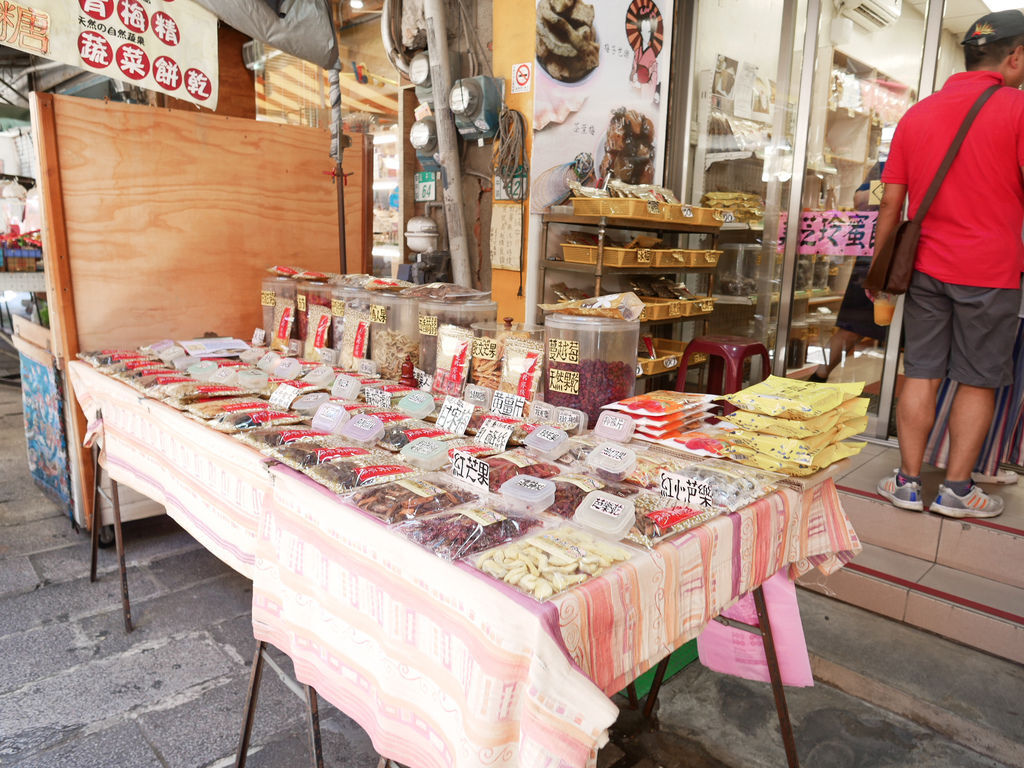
(969, 421)
(915, 414)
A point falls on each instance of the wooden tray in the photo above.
(660, 309)
(693, 307)
(613, 256)
(691, 214)
(579, 254)
(669, 355)
(681, 258)
(622, 207)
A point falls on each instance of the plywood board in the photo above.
(172, 216)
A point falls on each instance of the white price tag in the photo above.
(471, 470)
(294, 348)
(547, 437)
(508, 404)
(378, 398)
(226, 375)
(329, 356)
(283, 396)
(330, 417)
(258, 337)
(686, 489)
(494, 434)
(367, 368)
(346, 388)
(455, 415)
(541, 412)
(423, 379)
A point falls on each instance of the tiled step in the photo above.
(971, 609)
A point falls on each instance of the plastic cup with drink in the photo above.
(885, 305)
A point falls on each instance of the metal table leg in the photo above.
(785, 726)
(126, 607)
(313, 717)
(250, 705)
(94, 531)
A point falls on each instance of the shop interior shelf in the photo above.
(616, 222)
(27, 282)
(567, 266)
(825, 299)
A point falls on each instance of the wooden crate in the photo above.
(660, 309)
(676, 257)
(693, 307)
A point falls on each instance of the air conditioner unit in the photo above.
(870, 15)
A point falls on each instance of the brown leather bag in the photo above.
(893, 265)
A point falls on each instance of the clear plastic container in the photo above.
(313, 305)
(425, 453)
(591, 361)
(277, 296)
(321, 376)
(337, 315)
(737, 269)
(268, 361)
(417, 405)
(479, 396)
(614, 426)
(547, 443)
(541, 412)
(394, 333)
(330, 418)
(462, 312)
(288, 368)
(353, 343)
(606, 514)
(309, 404)
(346, 388)
(203, 370)
(183, 362)
(363, 430)
(571, 420)
(612, 461)
(252, 378)
(488, 348)
(529, 494)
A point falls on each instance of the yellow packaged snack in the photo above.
(792, 398)
(826, 456)
(770, 425)
(851, 428)
(802, 451)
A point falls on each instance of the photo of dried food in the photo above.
(629, 147)
(567, 45)
(725, 76)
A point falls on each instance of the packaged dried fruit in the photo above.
(659, 518)
(507, 465)
(464, 531)
(412, 497)
(234, 422)
(522, 368)
(274, 437)
(572, 488)
(717, 484)
(793, 398)
(543, 564)
(312, 453)
(188, 392)
(454, 358)
(400, 434)
(106, 357)
(663, 403)
(211, 407)
(359, 471)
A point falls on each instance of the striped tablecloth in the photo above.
(212, 485)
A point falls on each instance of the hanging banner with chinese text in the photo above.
(167, 46)
(834, 233)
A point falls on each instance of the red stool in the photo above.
(726, 355)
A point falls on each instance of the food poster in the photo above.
(601, 94)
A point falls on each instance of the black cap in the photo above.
(995, 26)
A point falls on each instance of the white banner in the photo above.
(167, 46)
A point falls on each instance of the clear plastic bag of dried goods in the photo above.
(572, 488)
(466, 530)
(717, 484)
(659, 518)
(453, 360)
(304, 454)
(208, 409)
(412, 497)
(267, 438)
(544, 564)
(507, 465)
(235, 422)
(344, 475)
(400, 434)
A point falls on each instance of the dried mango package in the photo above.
(792, 398)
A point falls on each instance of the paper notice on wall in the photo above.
(506, 236)
(167, 46)
(743, 91)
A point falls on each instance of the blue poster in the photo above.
(43, 401)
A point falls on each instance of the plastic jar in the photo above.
(313, 304)
(450, 311)
(394, 332)
(488, 348)
(591, 361)
(353, 343)
(277, 296)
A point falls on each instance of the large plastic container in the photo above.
(451, 311)
(591, 361)
(353, 342)
(277, 296)
(394, 332)
(489, 347)
(313, 305)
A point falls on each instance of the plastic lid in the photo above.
(321, 376)
(252, 355)
(612, 459)
(547, 442)
(614, 426)
(287, 369)
(492, 328)
(418, 405)
(537, 493)
(184, 362)
(425, 453)
(268, 361)
(252, 378)
(330, 417)
(589, 323)
(346, 387)
(571, 420)
(606, 514)
(479, 396)
(363, 429)
(541, 412)
(203, 370)
(310, 403)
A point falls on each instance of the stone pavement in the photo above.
(76, 692)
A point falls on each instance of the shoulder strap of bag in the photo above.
(954, 148)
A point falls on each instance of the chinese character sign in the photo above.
(834, 233)
(168, 46)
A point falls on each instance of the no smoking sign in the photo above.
(522, 78)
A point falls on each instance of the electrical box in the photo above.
(423, 137)
(476, 103)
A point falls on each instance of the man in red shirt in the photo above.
(960, 312)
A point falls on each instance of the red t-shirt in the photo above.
(972, 233)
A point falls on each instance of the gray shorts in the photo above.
(959, 331)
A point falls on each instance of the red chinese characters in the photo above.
(132, 15)
(95, 50)
(132, 61)
(165, 28)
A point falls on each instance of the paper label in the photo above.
(367, 368)
(525, 385)
(323, 325)
(686, 490)
(284, 326)
(425, 490)
(337, 308)
(428, 325)
(455, 415)
(378, 313)
(268, 299)
(494, 434)
(565, 552)
(482, 517)
(564, 381)
(470, 469)
(611, 425)
(508, 404)
(300, 302)
(614, 509)
(422, 449)
(568, 418)
(485, 348)
(377, 397)
(423, 379)
(613, 453)
(672, 516)
(564, 351)
(548, 437)
(541, 411)
(329, 356)
(283, 396)
(329, 418)
(258, 337)
(477, 395)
